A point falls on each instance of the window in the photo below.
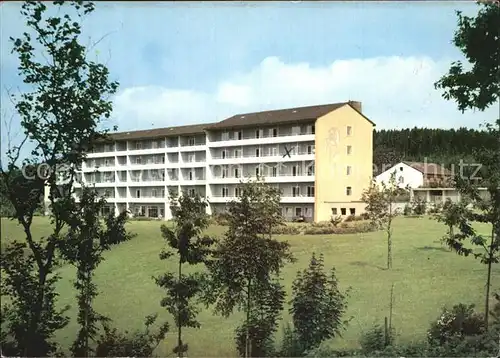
(154, 193)
(342, 211)
(236, 172)
(191, 158)
(153, 211)
(225, 136)
(295, 191)
(334, 211)
(349, 130)
(224, 172)
(349, 149)
(191, 141)
(274, 151)
(257, 152)
(240, 135)
(348, 191)
(190, 175)
(275, 132)
(225, 192)
(107, 193)
(298, 211)
(401, 180)
(310, 170)
(237, 153)
(310, 149)
(295, 170)
(138, 160)
(400, 169)
(313, 129)
(310, 191)
(257, 171)
(107, 162)
(295, 130)
(308, 212)
(257, 133)
(191, 192)
(155, 144)
(349, 170)
(274, 171)
(237, 192)
(223, 154)
(138, 193)
(138, 145)
(163, 193)
(352, 211)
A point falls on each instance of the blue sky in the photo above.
(183, 63)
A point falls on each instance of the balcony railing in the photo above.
(232, 156)
(264, 175)
(192, 144)
(262, 136)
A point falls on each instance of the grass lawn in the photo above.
(426, 276)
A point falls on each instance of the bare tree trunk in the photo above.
(488, 279)
(247, 338)
(180, 353)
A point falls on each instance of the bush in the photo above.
(291, 345)
(287, 230)
(375, 339)
(142, 218)
(407, 210)
(419, 207)
(140, 344)
(336, 220)
(220, 219)
(456, 323)
(354, 218)
(344, 228)
(261, 343)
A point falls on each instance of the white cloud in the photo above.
(395, 91)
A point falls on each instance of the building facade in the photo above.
(320, 157)
(416, 175)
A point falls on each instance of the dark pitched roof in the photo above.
(158, 132)
(288, 115)
(279, 116)
(429, 168)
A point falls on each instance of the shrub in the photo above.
(140, 344)
(344, 228)
(290, 345)
(220, 219)
(419, 207)
(407, 210)
(287, 230)
(458, 322)
(336, 220)
(354, 218)
(261, 343)
(375, 339)
(142, 218)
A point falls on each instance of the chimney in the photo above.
(356, 105)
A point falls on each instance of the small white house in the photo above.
(415, 175)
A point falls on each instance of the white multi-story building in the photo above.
(137, 170)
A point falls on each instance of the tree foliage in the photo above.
(187, 242)
(66, 98)
(479, 41)
(479, 88)
(84, 244)
(318, 305)
(247, 260)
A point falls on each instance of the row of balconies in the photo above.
(201, 145)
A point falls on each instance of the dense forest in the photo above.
(442, 146)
